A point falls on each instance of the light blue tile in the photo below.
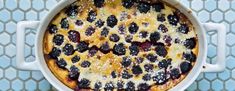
(185, 3)
(25, 4)
(31, 85)
(31, 15)
(11, 27)
(27, 50)
(4, 61)
(11, 4)
(30, 39)
(18, 15)
(229, 85)
(204, 85)
(233, 51)
(37, 75)
(43, 14)
(210, 5)
(230, 39)
(1, 50)
(223, 5)
(13, 62)
(44, 85)
(17, 85)
(214, 39)
(230, 62)
(10, 73)
(30, 59)
(224, 75)
(5, 38)
(233, 73)
(1, 27)
(24, 75)
(233, 27)
(229, 16)
(233, 5)
(10, 50)
(197, 5)
(211, 51)
(192, 87)
(203, 16)
(4, 84)
(217, 85)
(1, 73)
(13, 38)
(200, 76)
(217, 16)
(38, 4)
(50, 3)
(1, 4)
(210, 76)
(5, 15)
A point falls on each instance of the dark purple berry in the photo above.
(139, 60)
(173, 19)
(161, 50)
(114, 38)
(133, 28)
(113, 74)
(74, 73)
(136, 70)
(109, 86)
(52, 28)
(160, 78)
(147, 77)
(158, 6)
(126, 75)
(162, 28)
(98, 85)
(112, 21)
(177, 40)
(145, 46)
(72, 11)
(154, 37)
(82, 46)
(183, 29)
(126, 61)
(185, 67)
(190, 56)
(55, 52)
(151, 57)
(143, 34)
(61, 63)
(75, 59)
(121, 29)
(64, 23)
(167, 40)
(148, 67)
(143, 7)
(164, 63)
(130, 86)
(128, 38)
(83, 83)
(120, 85)
(127, 3)
(134, 49)
(119, 49)
(74, 36)
(92, 51)
(85, 64)
(99, 3)
(79, 23)
(143, 87)
(91, 16)
(161, 17)
(58, 39)
(104, 32)
(89, 31)
(175, 73)
(99, 23)
(68, 49)
(190, 43)
(104, 48)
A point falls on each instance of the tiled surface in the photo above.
(12, 11)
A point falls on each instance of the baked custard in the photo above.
(120, 45)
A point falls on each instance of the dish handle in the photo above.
(20, 42)
(221, 51)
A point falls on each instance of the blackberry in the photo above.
(74, 73)
(75, 59)
(160, 78)
(167, 39)
(114, 38)
(64, 23)
(72, 11)
(113, 74)
(74, 36)
(127, 3)
(104, 48)
(120, 85)
(134, 50)
(145, 46)
(126, 75)
(133, 28)
(190, 56)
(119, 49)
(164, 63)
(136, 70)
(99, 3)
(104, 32)
(52, 28)
(109, 86)
(158, 6)
(128, 38)
(175, 73)
(148, 67)
(130, 86)
(99, 23)
(85, 64)
(91, 16)
(58, 39)
(143, 7)
(161, 17)
(98, 85)
(162, 28)
(121, 29)
(190, 43)
(83, 83)
(173, 19)
(112, 21)
(143, 87)
(154, 37)
(151, 58)
(82, 46)
(126, 61)
(79, 22)
(139, 60)
(61, 63)
(68, 49)
(161, 50)
(147, 77)
(177, 40)
(185, 67)
(89, 31)
(183, 29)
(143, 34)
(92, 51)
(55, 52)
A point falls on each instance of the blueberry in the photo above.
(190, 56)
(55, 52)
(119, 49)
(61, 63)
(151, 57)
(79, 22)
(161, 50)
(136, 70)
(98, 85)
(72, 10)
(175, 73)
(185, 67)
(164, 63)
(126, 75)
(147, 77)
(104, 48)
(139, 60)
(68, 49)
(91, 16)
(148, 67)
(133, 28)
(162, 28)
(121, 29)
(167, 39)
(64, 23)
(52, 28)
(134, 49)
(120, 85)
(113, 74)
(114, 38)
(161, 17)
(143, 7)
(74, 73)
(177, 40)
(128, 38)
(82, 46)
(112, 21)
(154, 37)
(143, 34)
(58, 39)
(145, 46)
(173, 19)
(143, 87)
(126, 61)
(104, 32)
(89, 31)
(109, 86)
(158, 6)
(130, 86)
(75, 59)
(99, 3)
(85, 64)
(99, 23)
(92, 51)
(127, 3)
(84, 83)
(74, 36)
(160, 78)
(190, 43)
(183, 29)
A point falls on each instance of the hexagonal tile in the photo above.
(38, 4)
(50, 3)
(18, 15)
(214, 39)
(233, 4)
(11, 4)
(13, 61)
(211, 51)
(217, 16)
(210, 76)
(197, 5)
(11, 50)
(1, 50)
(33, 50)
(210, 5)
(5, 61)
(5, 38)
(217, 85)
(1, 4)
(200, 76)
(27, 50)
(11, 27)
(192, 87)
(230, 62)
(10, 73)
(30, 85)
(1, 73)
(203, 16)
(230, 39)
(1, 27)
(227, 26)
(224, 75)
(5, 85)
(31, 15)
(223, 5)
(23, 75)
(204, 85)
(30, 39)
(25, 4)
(17, 85)
(233, 73)
(233, 27)
(30, 58)
(229, 16)
(229, 85)
(42, 14)
(5, 15)
(185, 3)
(37, 75)
(44, 85)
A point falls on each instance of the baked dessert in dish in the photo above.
(120, 45)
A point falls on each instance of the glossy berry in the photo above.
(130, 86)
(74, 36)
(133, 28)
(160, 78)
(161, 50)
(121, 29)
(91, 16)
(85, 64)
(136, 70)
(75, 59)
(68, 49)
(190, 43)
(61, 63)
(112, 21)
(119, 49)
(147, 77)
(128, 38)
(114, 38)
(164, 63)
(74, 73)
(175, 73)
(127, 3)
(184, 29)
(55, 52)
(139, 60)
(167, 39)
(89, 31)
(143, 7)
(99, 23)
(126, 75)
(82, 46)
(190, 56)
(97, 86)
(158, 6)
(58, 39)
(161, 17)
(64, 23)
(145, 46)
(99, 3)
(151, 57)
(154, 37)
(143, 87)
(143, 34)
(92, 51)
(104, 48)
(162, 28)
(120, 85)
(173, 19)
(109, 86)
(104, 32)
(72, 11)
(84, 83)
(148, 67)
(134, 49)
(113, 74)
(52, 28)
(126, 61)
(185, 67)
(79, 23)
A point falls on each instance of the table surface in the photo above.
(13, 11)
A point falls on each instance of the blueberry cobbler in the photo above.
(120, 45)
